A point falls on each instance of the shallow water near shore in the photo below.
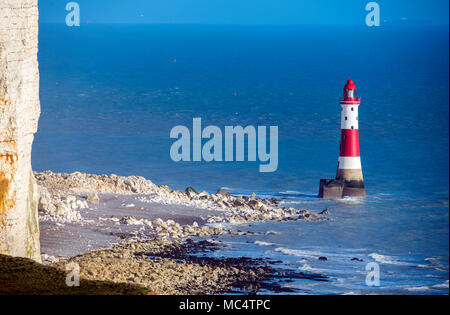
(110, 95)
(411, 261)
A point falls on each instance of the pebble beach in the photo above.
(130, 230)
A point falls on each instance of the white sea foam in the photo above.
(424, 266)
(262, 243)
(295, 252)
(433, 261)
(290, 192)
(431, 287)
(441, 286)
(294, 202)
(418, 288)
(383, 259)
(307, 267)
(351, 200)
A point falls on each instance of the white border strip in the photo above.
(349, 162)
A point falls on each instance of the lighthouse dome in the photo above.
(350, 85)
(350, 90)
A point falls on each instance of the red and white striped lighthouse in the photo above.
(349, 178)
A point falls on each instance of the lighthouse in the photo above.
(349, 180)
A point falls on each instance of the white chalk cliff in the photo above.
(19, 114)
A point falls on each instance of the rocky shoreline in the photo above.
(174, 267)
(62, 194)
(156, 253)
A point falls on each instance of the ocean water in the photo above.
(110, 94)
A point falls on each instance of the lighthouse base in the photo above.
(339, 188)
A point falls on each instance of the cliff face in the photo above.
(19, 113)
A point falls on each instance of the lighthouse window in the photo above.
(345, 117)
(352, 109)
(351, 93)
(353, 127)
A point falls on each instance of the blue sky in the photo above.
(313, 12)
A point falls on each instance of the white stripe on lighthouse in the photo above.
(349, 162)
(349, 117)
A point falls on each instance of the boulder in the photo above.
(191, 192)
(223, 193)
(254, 204)
(203, 195)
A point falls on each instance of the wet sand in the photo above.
(101, 224)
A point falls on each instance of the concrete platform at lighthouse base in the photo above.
(339, 188)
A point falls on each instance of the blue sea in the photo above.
(110, 94)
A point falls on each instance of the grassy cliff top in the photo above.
(25, 276)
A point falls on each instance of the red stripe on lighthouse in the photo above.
(349, 142)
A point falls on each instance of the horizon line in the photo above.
(394, 23)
